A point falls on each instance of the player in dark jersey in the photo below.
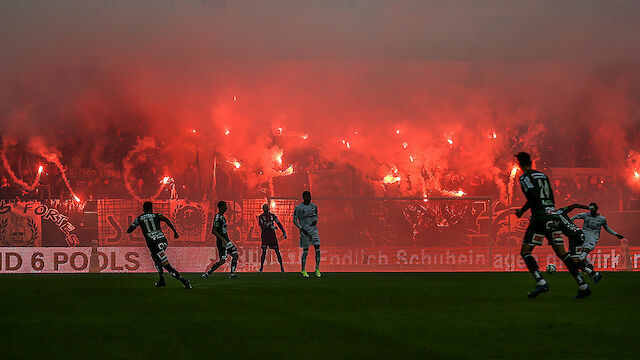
(576, 240)
(149, 223)
(268, 222)
(544, 223)
(225, 246)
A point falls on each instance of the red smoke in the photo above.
(420, 99)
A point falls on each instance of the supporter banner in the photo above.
(115, 216)
(197, 259)
(190, 220)
(20, 225)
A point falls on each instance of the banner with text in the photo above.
(198, 259)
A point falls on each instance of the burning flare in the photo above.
(458, 193)
(391, 179)
(235, 163)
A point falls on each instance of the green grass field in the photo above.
(341, 315)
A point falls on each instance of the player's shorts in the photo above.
(589, 245)
(224, 251)
(307, 240)
(575, 236)
(269, 241)
(543, 226)
(157, 249)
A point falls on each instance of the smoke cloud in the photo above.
(437, 94)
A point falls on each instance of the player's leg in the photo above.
(157, 262)
(176, 274)
(316, 247)
(305, 241)
(558, 248)
(215, 266)
(234, 261)
(576, 243)
(222, 253)
(279, 256)
(160, 270)
(529, 243)
(584, 261)
(303, 261)
(263, 257)
(532, 265)
(164, 261)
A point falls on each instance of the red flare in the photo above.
(514, 171)
(390, 179)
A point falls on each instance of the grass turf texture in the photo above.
(341, 315)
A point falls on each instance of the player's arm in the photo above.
(579, 217)
(296, 222)
(217, 234)
(610, 230)
(523, 209)
(284, 232)
(133, 226)
(572, 207)
(166, 220)
(315, 222)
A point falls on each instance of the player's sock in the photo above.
(586, 267)
(317, 259)
(305, 252)
(234, 263)
(262, 257)
(279, 259)
(173, 272)
(160, 270)
(573, 270)
(532, 265)
(215, 266)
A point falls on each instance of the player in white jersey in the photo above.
(593, 222)
(305, 218)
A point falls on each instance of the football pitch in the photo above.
(339, 316)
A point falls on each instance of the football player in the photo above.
(305, 218)
(225, 246)
(149, 223)
(544, 223)
(268, 221)
(592, 223)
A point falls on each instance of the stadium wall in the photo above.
(356, 235)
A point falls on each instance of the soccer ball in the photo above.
(551, 268)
